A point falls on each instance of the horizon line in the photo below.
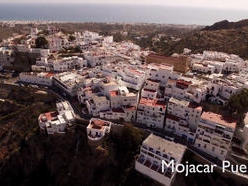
(122, 3)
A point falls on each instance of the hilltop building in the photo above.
(154, 149)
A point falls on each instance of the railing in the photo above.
(154, 167)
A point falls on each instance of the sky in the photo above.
(220, 4)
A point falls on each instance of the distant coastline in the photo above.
(113, 13)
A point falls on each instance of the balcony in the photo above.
(153, 168)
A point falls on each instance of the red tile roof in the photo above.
(113, 93)
(152, 102)
(48, 116)
(98, 124)
(49, 75)
(216, 118)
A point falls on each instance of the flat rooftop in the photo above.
(152, 102)
(168, 147)
(219, 119)
(179, 102)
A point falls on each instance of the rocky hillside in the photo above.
(19, 109)
(29, 158)
(224, 37)
(225, 24)
(68, 160)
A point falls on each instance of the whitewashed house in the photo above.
(153, 151)
(151, 113)
(97, 129)
(214, 134)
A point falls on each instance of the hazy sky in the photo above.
(223, 4)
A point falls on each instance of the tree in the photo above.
(127, 145)
(118, 37)
(72, 38)
(41, 42)
(238, 103)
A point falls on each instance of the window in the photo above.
(150, 154)
(157, 152)
(165, 156)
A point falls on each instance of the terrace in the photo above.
(154, 166)
(49, 116)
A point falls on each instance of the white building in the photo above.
(185, 110)
(68, 82)
(215, 56)
(122, 97)
(131, 77)
(57, 121)
(42, 64)
(6, 56)
(232, 65)
(89, 37)
(151, 89)
(155, 149)
(52, 122)
(23, 48)
(182, 118)
(44, 52)
(64, 108)
(187, 88)
(124, 113)
(57, 43)
(214, 134)
(42, 78)
(108, 39)
(223, 88)
(151, 113)
(97, 104)
(161, 73)
(97, 129)
(68, 64)
(203, 68)
(34, 32)
(94, 59)
(179, 127)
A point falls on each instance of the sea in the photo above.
(118, 13)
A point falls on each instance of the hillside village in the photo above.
(112, 83)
